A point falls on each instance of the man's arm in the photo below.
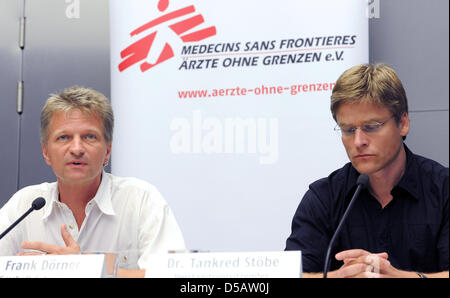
(443, 274)
(310, 230)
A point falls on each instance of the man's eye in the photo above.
(91, 137)
(348, 130)
(62, 138)
(370, 127)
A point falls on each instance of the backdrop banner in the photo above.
(225, 107)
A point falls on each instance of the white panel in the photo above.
(232, 191)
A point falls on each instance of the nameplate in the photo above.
(56, 266)
(286, 264)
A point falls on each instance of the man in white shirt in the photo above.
(87, 209)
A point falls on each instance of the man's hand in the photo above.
(71, 247)
(361, 263)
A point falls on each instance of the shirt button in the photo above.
(71, 227)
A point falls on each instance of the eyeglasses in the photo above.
(369, 128)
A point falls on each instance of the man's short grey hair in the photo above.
(80, 98)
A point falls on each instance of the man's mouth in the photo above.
(77, 163)
(364, 155)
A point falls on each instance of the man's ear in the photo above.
(108, 154)
(45, 153)
(404, 125)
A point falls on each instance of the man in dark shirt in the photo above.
(399, 225)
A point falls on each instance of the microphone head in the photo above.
(363, 180)
(38, 203)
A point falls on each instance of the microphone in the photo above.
(362, 182)
(37, 204)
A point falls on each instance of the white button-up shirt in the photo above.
(127, 216)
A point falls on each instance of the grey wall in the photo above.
(412, 36)
(10, 74)
(61, 49)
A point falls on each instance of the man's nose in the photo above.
(76, 146)
(360, 139)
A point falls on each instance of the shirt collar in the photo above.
(102, 198)
(408, 182)
(103, 195)
(52, 200)
(410, 179)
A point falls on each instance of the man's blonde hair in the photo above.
(84, 99)
(375, 83)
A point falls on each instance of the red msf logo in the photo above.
(140, 50)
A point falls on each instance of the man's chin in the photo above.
(364, 168)
(75, 179)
